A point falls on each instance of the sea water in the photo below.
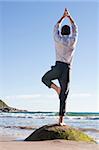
(22, 124)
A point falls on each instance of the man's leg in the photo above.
(62, 110)
(64, 83)
(53, 74)
(56, 88)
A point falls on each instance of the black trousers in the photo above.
(60, 71)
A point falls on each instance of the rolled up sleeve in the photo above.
(74, 35)
(74, 30)
(56, 34)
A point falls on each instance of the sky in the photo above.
(27, 52)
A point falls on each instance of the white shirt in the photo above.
(65, 44)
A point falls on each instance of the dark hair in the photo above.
(65, 30)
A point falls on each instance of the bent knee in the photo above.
(46, 81)
(43, 79)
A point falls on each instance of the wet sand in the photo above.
(10, 143)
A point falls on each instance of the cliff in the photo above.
(5, 108)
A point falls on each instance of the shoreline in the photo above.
(16, 127)
(23, 131)
(10, 143)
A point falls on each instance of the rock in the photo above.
(54, 131)
(5, 108)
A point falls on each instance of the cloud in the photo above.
(81, 95)
(23, 96)
(50, 96)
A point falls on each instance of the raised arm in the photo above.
(63, 17)
(56, 27)
(73, 24)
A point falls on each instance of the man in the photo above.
(64, 46)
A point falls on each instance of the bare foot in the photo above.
(62, 124)
(61, 121)
(58, 90)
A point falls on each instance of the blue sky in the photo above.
(27, 52)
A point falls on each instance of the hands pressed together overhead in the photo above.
(66, 13)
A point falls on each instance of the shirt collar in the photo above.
(66, 36)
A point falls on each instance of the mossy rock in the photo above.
(51, 132)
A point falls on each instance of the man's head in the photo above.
(65, 30)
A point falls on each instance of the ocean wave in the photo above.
(35, 127)
(20, 127)
(92, 118)
(45, 115)
(82, 117)
(25, 129)
(89, 129)
(97, 141)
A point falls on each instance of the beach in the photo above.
(9, 143)
(15, 127)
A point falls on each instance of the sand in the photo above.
(10, 143)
